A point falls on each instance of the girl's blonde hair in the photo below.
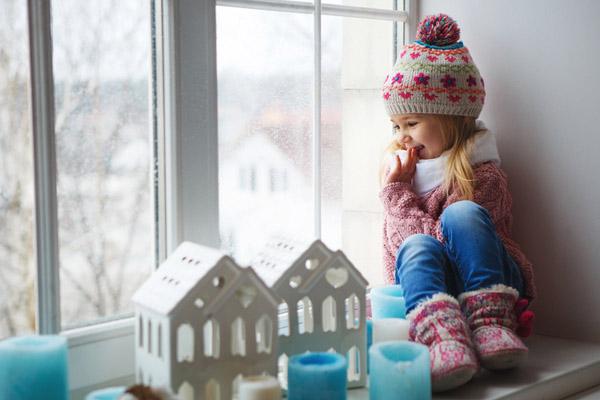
(458, 134)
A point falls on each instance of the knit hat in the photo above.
(435, 74)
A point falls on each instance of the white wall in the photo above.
(541, 64)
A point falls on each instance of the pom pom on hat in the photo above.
(438, 30)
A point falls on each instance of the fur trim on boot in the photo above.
(494, 322)
(439, 324)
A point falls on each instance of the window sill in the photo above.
(100, 356)
(103, 356)
(556, 369)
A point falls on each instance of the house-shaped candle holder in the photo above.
(202, 323)
(322, 302)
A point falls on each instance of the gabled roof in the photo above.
(275, 260)
(177, 276)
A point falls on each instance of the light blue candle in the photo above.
(317, 376)
(387, 302)
(111, 393)
(33, 368)
(399, 370)
(369, 339)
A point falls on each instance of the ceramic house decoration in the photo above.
(202, 323)
(322, 302)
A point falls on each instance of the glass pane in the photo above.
(355, 128)
(265, 82)
(17, 266)
(103, 139)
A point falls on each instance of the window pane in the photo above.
(265, 77)
(17, 268)
(103, 139)
(355, 129)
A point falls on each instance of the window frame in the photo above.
(185, 124)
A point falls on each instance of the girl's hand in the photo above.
(403, 172)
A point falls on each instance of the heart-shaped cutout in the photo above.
(295, 281)
(337, 277)
(246, 294)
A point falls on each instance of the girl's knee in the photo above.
(462, 212)
(419, 240)
(417, 246)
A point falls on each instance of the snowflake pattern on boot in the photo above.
(494, 322)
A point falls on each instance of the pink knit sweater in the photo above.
(405, 214)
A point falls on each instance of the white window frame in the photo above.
(186, 124)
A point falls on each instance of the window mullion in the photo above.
(316, 143)
(191, 122)
(411, 21)
(46, 221)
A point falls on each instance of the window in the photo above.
(101, 155)
(312, 147)
(17, 270)
(130, 181)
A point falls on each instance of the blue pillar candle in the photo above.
(387, 302)
(399, 370)
(317, 376)
(33, 368)
(369, 339)
(111, 393)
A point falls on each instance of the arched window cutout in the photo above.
(264, 334)
(185, 343)
(159, 341)
(186, 391)
(283, 319)
(238, 337)
(282, 370)
(212, 339)
(235, 386)
(140, 332)
(329, 314)
(149, 337)
(305, 316)
(353, 358)
(212, 390)
(352, 304)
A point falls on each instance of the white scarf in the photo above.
(430, 173)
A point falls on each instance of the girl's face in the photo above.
(421, 131)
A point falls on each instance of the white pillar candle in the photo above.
(390, 329)
(259, 388)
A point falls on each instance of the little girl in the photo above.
(447, 220)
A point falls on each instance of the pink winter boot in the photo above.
(439, 324)
(493, 320)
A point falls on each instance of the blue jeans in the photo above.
(474, 257)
